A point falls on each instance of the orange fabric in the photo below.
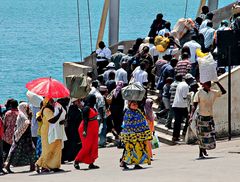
(151, 125)
(149, 146)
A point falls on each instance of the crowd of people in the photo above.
(72, 129)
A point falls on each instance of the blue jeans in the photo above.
(102, 132)
(170, 117)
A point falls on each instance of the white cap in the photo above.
(188, 76)
(74, 99)
(111, 65)
(121, 47)
(146, 40)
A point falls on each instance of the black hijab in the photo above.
(90, 100)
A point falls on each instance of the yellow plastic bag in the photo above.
(200, 54)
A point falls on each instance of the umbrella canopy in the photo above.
(48, 87)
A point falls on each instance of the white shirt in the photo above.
(106, 74)
(208, 34)
(105, 52)
(154, 52)
(180, 99)
(193, 46)
(100, 102)
(121, 75)
(140, 76)
(163, 31)
(171, 51)
(204, 24)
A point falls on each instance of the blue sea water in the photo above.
(37, 36)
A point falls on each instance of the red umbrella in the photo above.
(48, 87)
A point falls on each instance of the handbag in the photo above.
(155, 142)
(78, 85)
(109, 98)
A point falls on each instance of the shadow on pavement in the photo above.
(50, 173)
(207, 158)
(132, 169)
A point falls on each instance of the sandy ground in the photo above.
(177, 163)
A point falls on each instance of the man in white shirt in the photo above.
(110, 68)
(180, 105)
(167, 29)
(103, 54)
(193, 46)
(121, 73)
(208, 18)
(208, 34)
(141, 75)
(205, 11)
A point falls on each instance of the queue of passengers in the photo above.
(162, 62)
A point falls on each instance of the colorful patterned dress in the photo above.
(135, 135)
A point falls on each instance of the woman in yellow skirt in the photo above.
(50, 159)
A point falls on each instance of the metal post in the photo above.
(229, 95)
(113, 22)
(213, 5)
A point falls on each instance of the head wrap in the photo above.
(119, 87)
(23, 108)
(90, 100)
(148, 109)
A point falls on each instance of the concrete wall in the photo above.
(89, 63)
(70, 68)
(222, 14)
(221, 105)
(90, 60)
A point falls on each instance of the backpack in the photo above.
(78, 85)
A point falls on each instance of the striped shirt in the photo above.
(172, 91)
(183, 67)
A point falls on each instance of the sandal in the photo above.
(37, 169)
(45, 170)
(138, 167)
(92, 166)
(76, 166)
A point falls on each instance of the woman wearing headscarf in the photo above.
(50, 159)
(88, 132)
(73, 144)
(117, 107)
(9, 124)
(150, 120)
(22, 151)
(135, 135)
